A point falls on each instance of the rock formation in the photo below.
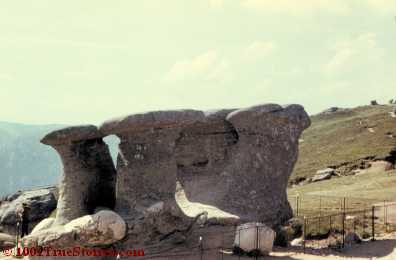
(88, 178)
(98, 230)
(40, 201)
(182, 173)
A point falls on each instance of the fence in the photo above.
(335, 223)
(221, 246)
(317, 205)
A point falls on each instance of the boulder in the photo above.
(41, 203)
(373, 102)
(254, 236)
(6, 241)
(43, 224)
(100, 229)
(324, 174)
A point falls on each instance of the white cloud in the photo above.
(207, 66)
(295, 6)
(353, 53)
(259, 50)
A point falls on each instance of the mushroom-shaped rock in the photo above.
(146, 170)
(152, 120)
(240, 162)
(88, 178)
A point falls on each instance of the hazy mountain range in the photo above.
(25, 162)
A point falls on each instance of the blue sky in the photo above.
(87, 61)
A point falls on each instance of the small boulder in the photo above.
(6, 241)
(246, 237)
(297, 242)
(324, 174)
(103, 228)
(41, 203)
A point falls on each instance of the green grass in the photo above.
(343, 136)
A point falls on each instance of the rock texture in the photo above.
(98, 230)
(41, 202)
(182, 173)
(89, 176)
(232, 166)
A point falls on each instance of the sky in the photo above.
(79, 62)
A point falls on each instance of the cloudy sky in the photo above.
(86, 61)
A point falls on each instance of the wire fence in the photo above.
(329, 223)
(226, 245)
(335, 223)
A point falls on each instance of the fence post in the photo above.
(297, 204)
(239, 238)
(364, 220)
(257, 245)
(343, 226)
(373, 222)
(201, 247)
(304, 232)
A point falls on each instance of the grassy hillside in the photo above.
(344, 137)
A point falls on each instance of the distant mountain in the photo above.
(24, 161)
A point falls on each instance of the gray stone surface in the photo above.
(88, 177)
(41, 202)
(181, 173)
(98, 230)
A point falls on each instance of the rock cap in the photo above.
(72, 134)
(153, 119)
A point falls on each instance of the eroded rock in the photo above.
(41, 203)
(100, 229)
(88, 178)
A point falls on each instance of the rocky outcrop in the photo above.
(88, 178)
(237, 161)
(41, 203)
(98, 230)
(181, 173)
(324, 174)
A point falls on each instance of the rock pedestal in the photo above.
(182, 172)
(88, 178)
(147, 171)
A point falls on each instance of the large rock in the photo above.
(240, 160)
(98, 230)
(254, 236)
(88, 178)
(146, 172)
(41, 202)
(182, 172)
